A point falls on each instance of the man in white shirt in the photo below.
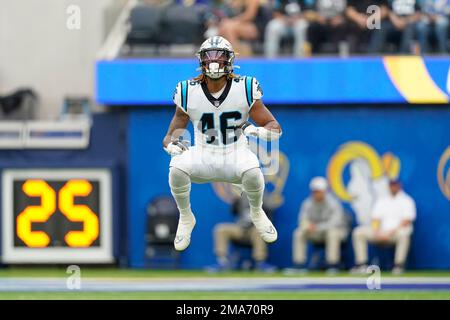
(392, 223)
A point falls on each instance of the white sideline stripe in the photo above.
(199, 284)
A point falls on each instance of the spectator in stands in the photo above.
(392, 223)
(321, 220)
(287, 20)
(217, 11)
(360, 31)
(237, 20)
(404, 16)
(327, 25)
(242, 231)
(435, 22)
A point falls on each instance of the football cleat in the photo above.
(264, 226)
(183, 235)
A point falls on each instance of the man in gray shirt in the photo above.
(321, 220)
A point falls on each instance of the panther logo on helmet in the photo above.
(216, 57)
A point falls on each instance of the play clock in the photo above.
(56, 216)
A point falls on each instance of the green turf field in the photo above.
(227, 296)
(136, 275)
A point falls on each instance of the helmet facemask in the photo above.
(216, 63)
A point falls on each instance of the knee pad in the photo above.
(253, 180)
(179, 181)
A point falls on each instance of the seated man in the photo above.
(360, 32)
(392, 218)
(327, 24)
(400, 27)
(321, 220)
(435, 21)
(244, 231)
(287, 20)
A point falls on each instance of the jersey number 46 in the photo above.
(227, 130)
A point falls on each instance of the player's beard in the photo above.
(215, 80)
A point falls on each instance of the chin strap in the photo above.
(200, 69)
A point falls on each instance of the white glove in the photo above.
(260, 132)
(175, 148)
(251, 130)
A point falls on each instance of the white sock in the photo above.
(180, 186)
(253, 184)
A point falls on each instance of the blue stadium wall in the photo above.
(406, 140)
(312, 138)
(286, 81)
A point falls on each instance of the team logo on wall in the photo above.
(443, 173)
(366, 174)
(275, 184)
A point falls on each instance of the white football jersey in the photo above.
(215, 119)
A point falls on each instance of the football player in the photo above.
(219, 104)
